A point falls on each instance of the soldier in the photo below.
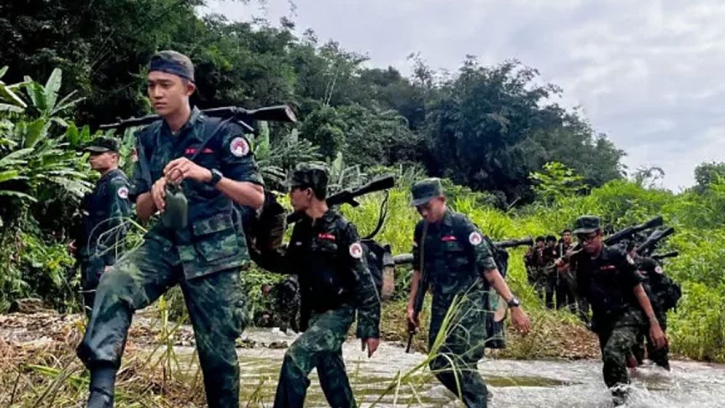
(550, 255)
(608, 279)
(453, 256)
(286, 303)
(565, 284)
(326, 253)
(103, 215)
(537, 266)
(530, 258)
(202, 250)
(658, 287)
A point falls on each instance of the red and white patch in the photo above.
(123, 192)
(659, 270)
(475, 238)
(239, 147)
(448, 238)
(356, 250)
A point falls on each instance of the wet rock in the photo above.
(277, 345)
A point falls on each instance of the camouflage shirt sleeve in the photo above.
(119, 209)
(237, 157)
(367, 298)
(480, 251)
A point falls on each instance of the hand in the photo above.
(371, 344)
(182, 168)
(72, 247)
(657, 335)
(158, 193)
(520, 320)
(413, 320)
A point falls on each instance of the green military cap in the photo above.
(426, 190)
(309, 175)
(172, 62)
(587, 224)
(103, 144)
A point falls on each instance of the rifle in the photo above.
(243, 117)
(648, 246)
(348, 196)
(659, 257)
(617, 237)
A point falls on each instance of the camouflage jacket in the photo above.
(104, 211)
(329, 259)
(213, 239)
(455, 255)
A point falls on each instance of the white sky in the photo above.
(645, 72)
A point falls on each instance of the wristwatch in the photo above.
(514, 302)
(216, 176)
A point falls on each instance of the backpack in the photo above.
(380, 263)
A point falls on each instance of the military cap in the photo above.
(587, 224)
(172, 62)
(309, 175)
(426, 190)
(103, 144)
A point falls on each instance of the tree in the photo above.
(707, 174)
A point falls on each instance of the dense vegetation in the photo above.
(514, 160)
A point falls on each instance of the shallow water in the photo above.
(517, 384)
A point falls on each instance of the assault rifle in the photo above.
(659, 257)
(422, 285)
(243, 117)
(648, 246)
(348, 196)
(403, 259)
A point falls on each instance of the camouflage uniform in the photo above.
(455, 255)
(653, 284)
(608, 283)
(204, 258)
(103, 214)
(334, 280)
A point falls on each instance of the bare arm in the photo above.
(145, 206)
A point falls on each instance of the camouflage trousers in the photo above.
(215, 303)
(460, 347)
(320, 346)
(616, 340)
(658, 356)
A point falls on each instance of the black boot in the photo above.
(103, 380)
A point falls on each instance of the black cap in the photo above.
(587, 224)
(172, 62)
(103, 144)
(426, 190)
(310, 175)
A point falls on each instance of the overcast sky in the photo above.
(648, 73)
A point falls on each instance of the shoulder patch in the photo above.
(475, 238)
(356, 250)
(659, 270)
(123, 192)
(239, 147)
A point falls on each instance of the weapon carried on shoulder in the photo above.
(659, 257)
(243, 117)
(348, 196)
(620, 236)
(648, 246)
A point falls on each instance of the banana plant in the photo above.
(9, 99)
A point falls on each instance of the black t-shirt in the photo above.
(608, 282)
